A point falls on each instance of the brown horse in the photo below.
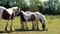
(8, 14)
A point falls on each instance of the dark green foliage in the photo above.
(51, 7)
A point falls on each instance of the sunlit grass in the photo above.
(52, 21)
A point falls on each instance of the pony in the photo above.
(8, 14)
(26, 18)
(39, 17)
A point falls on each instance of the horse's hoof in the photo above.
(6, 30)
(27, 28)
(12, 29)
(45, 29)
(38, 29)
(33, 29)
(23, 29)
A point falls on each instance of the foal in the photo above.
(25, 18)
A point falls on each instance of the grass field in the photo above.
(53, 25)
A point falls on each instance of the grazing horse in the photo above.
(25, 18)
(8, 14)
(39, 17)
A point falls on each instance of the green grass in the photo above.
(53, 25)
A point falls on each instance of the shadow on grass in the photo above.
(29, 30)
(19, 30)
(5, 31)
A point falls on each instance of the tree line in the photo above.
(51, 7)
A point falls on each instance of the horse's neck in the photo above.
(22, 17)
(24, 14)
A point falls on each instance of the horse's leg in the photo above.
(37, 24)
(33, 27)
(0, 20)
(22, 25)
(6, 26)
(11, 26)
(26, 25)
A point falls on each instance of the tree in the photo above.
(34, 5)
(51, 6)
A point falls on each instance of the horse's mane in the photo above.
(25, 13)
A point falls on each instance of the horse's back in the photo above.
(37, 14)
(7, 14)
(2, 8)
(10, 11)
(28, 12)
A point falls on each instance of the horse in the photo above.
(25, 18)
(39, 17)
(8, 14)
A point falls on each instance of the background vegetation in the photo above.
(53, 25)
(51, 7)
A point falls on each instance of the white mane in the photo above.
(25, 13)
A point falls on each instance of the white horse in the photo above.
(8, 14)
(40, 17)
(25, 18)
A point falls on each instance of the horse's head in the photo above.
(19, 13)
(16, 9)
